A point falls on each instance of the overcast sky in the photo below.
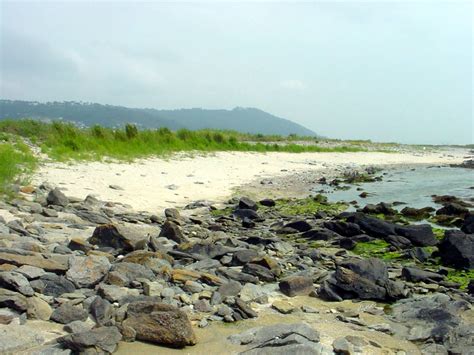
(386, 70)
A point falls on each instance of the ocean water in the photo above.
(413, 186)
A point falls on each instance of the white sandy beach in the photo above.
(154, 184)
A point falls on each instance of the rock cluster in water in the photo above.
(101, 274)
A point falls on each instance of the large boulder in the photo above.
(53, 285)
(279, 339)
(457, 249)
(87, 271)
(66, 313)
(160, 323)
(453, 209)
(361, 278)
(345, 229)
(296, 285)
(420, 234)
(172, 231)
(434, 319)
(373, 226)
(121, 237)
(122, 274)
(416, 275)
(94, 341)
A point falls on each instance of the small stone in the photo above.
(38, 309)
(151, 288)
(283, 307)
(67, 313)
(296, 285)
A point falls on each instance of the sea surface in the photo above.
(412, 186)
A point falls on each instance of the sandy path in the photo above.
(154, 184)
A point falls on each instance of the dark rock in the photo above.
(329, 292)
(299, 225)
(99, 340)
(93, 217)
(347, 243)
(364, 279)
(398, 241)
(345, 229)
(457, 249)
(416, 275)
(244, 309)
(160, 323)
(79, 244)
(243, 257)
(237, 276)
(130, 272)
(247, 203)
(320, 234)
(468, 224)
(246, 213)
(380, 208)
(296, 285)
(101, 311)
(436, 319)
(173, 232)
(263, 273)
(248, 223)
(417, 213)
(373, 226)
(67, 313)
(470, 288)
(121, 237)
(419, 254)
(420, 234)
(57, 198)
(268, 202)
(54, 285)
(453, 209)
(362, 287)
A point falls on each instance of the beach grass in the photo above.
(16, 163)
(65, 141)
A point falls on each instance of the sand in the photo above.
(154, 184)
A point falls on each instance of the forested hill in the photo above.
(246, 120)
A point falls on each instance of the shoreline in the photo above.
(154, 184)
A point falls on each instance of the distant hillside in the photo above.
(246, 120)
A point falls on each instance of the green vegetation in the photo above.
(310, 205)
(438, 233)
(65, 141)
(376, 248)
(16, 161)
(462, 277)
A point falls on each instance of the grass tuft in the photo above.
(64, 141)
(16, 162)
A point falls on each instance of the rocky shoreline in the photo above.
(86, 276)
